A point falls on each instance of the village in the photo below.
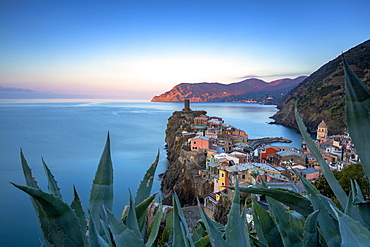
(230, 155)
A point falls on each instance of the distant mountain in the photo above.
(321, 95)
(247, 90)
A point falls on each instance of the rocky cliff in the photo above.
(182, 173)
(321, 95)
(247, 90)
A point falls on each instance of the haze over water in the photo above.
(70, 136)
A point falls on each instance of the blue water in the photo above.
(70, 136)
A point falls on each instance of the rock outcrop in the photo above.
(182, 173)
(247, 90)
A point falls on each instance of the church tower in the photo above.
(322, 130)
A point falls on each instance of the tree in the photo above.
(344, 177)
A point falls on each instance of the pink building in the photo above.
(200, 143)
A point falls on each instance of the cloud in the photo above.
(281, 76)
(249, 76)
(14, 89)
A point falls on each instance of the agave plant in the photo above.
(66, 225)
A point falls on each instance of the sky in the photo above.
(134, 50)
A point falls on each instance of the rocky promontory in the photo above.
(182, 173)
(249, 90)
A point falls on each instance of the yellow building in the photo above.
(322, 130)
(223, 179)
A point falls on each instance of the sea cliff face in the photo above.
(247, 90)
(321, 95)
(182, 173)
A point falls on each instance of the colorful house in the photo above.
(199, 143)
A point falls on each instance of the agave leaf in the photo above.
(27, 172)
(77, 208)
(123, 236)
(203, 242)
(102, 188)
(257, 242)
(214, 235)
(52, 183)
(166, 235)
(154, 228)
(358, 197)
(45, 223)
(310, 234)
(328, 174)
(352, 232)
(198, 232)
(131, 221)
(95, 240)
(146, 184)
(140, 211)
(288, 227)
(290, 198)
(328, 225)
(236, 231)
(357, 115)
(181, 233)
(66, 230)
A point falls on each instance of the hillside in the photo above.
(321, 95)
(247, 90)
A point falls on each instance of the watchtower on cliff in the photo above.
(186, 106)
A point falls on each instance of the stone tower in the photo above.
(322, 130)
(186, 106)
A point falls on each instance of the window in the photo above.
(243, 176)
(222, 174)
(194, 142)
(222, 183)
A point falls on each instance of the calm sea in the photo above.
(70, 136)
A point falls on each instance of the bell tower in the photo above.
(322, 130)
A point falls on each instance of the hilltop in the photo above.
(321, 95)
(246, 90)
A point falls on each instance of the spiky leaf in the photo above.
(181, 233)
(123, 236)
(95, 240)
(328, 225)
(236, 231)
(80, 214)
(266, 228)
(290, 198)
(351, 231)
(45, 223)
(214, 235)
(328, 174)
(131, 221)
(140, 211)
(67, 230)
(289, 227)
(146, 184)
(154, 228)
(52, 183)
(102, 188)
(358, 115)
(310, 234)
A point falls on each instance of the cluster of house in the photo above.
(229, 157)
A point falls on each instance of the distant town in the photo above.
(230, 154)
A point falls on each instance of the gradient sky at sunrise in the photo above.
(138, 49)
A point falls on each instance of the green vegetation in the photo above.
(344, 177)
(292, 220)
